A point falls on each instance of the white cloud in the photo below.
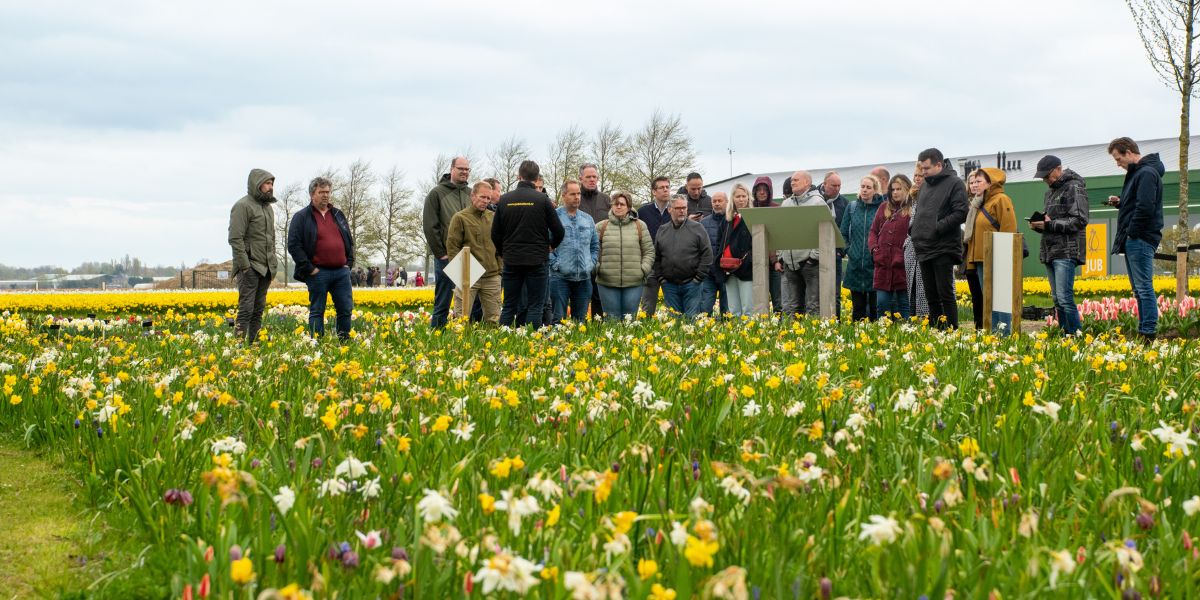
(130, 125)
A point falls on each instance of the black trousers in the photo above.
(938, 275)
(862, 306)
(976, 294)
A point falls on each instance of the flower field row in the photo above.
(158, 301)
(655, 459)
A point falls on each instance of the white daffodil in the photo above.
(906, 401)
(1191, 506)
(229, 444)
(1061, 563)
(881, 530)
(517, 508)
(1176, 441)
(508, 572)
(734, 488)
(435, 507)
(371, 488)
(332, 487)
(285, 499)
(352, 468)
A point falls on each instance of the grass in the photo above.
(53, 545)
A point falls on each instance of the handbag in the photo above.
(996, 224)
(727, 262)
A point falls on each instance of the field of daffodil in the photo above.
(754, 458)
(184, 301)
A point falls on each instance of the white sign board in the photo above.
(1002, 272)
(222, 274)
(453, 270)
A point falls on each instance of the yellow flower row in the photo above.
(186, 300)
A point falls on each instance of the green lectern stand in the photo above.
(794, 228)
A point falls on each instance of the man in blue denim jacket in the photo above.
(574, 260)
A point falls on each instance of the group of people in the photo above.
(596, 255)
(374, 277)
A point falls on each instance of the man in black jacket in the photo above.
(319, 242)
(1139, 226)
(937, 235)
(1064, 236)
(524, 231)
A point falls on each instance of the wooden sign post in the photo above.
(1002, 278)
(792, 228)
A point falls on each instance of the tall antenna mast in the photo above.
(731, 151)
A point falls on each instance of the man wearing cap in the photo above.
(1064, 236)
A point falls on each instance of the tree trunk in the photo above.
(1181, 251)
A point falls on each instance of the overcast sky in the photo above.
(129, 127)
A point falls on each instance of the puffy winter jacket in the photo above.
(715, 224)
(1000, 207)
(886, 243)
(938, 214)
(856, 228)
(626, 252)
(1065, 236)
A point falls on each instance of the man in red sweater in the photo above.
(319, 242)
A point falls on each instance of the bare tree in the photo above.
(1168, 31)
(566, 154)
(505, 160)
(288, 202)
(395, 201)
(612, 151)
(662, 147)
(358, 203)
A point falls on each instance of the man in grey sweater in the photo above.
(682, 259)
(801, 268)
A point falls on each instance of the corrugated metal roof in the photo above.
(1089, 161)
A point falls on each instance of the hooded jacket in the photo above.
(472, 228)
(252, 228)
(682, 254)
(441, 204)
(997, 203)
(938, 214)
(703, 205)
(525, 227)
(302, 239)
(1065, 236)
(575, 258)
(763, 181)
(595, 203)
(1140, 214)
(626, 252)
(856, 228)
(793, 259)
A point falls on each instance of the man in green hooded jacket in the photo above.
(252, 238)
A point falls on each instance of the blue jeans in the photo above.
(619, 302)
(710, 291)
(1139, 260)
(443, 294)
(573, 295)
(1001, 322)
(527, 279)
(1061, 274)
(888, 303)
(332, 282)
(683, 297)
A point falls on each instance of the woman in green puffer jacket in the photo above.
(626, 256)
